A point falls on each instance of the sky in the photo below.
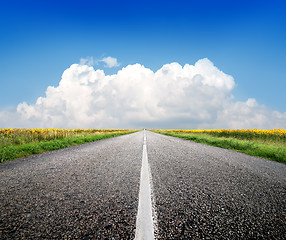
(136, 64)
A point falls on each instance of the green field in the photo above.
(260, 143)
(17, 143)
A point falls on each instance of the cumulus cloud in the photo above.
(250, 114)
(175, 96)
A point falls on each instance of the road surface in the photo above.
(91, 191)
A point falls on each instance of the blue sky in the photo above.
(245, 39)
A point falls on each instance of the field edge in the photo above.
(271, 152)
(12, 152)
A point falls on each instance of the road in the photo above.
(91, 192)
(204, 192)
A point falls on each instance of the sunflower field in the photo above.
(269, 144)
(275, 136)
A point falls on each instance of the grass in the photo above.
(16, 143)
(270, 149)
(20, 143)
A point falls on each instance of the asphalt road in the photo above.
(91, 192)
(204, 192)
(82, 192)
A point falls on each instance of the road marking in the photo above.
(144, 221)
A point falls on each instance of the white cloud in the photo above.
(90, 61)
(249, 114)
(110, 62)
(175, 96)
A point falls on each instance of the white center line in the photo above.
(144, 221)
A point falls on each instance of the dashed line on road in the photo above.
(144, 221)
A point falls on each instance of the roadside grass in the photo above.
(255, 147)
(23, 148)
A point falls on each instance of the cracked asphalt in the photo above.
(91, 191)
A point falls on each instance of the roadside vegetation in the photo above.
(16, 143)
(270, 144)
